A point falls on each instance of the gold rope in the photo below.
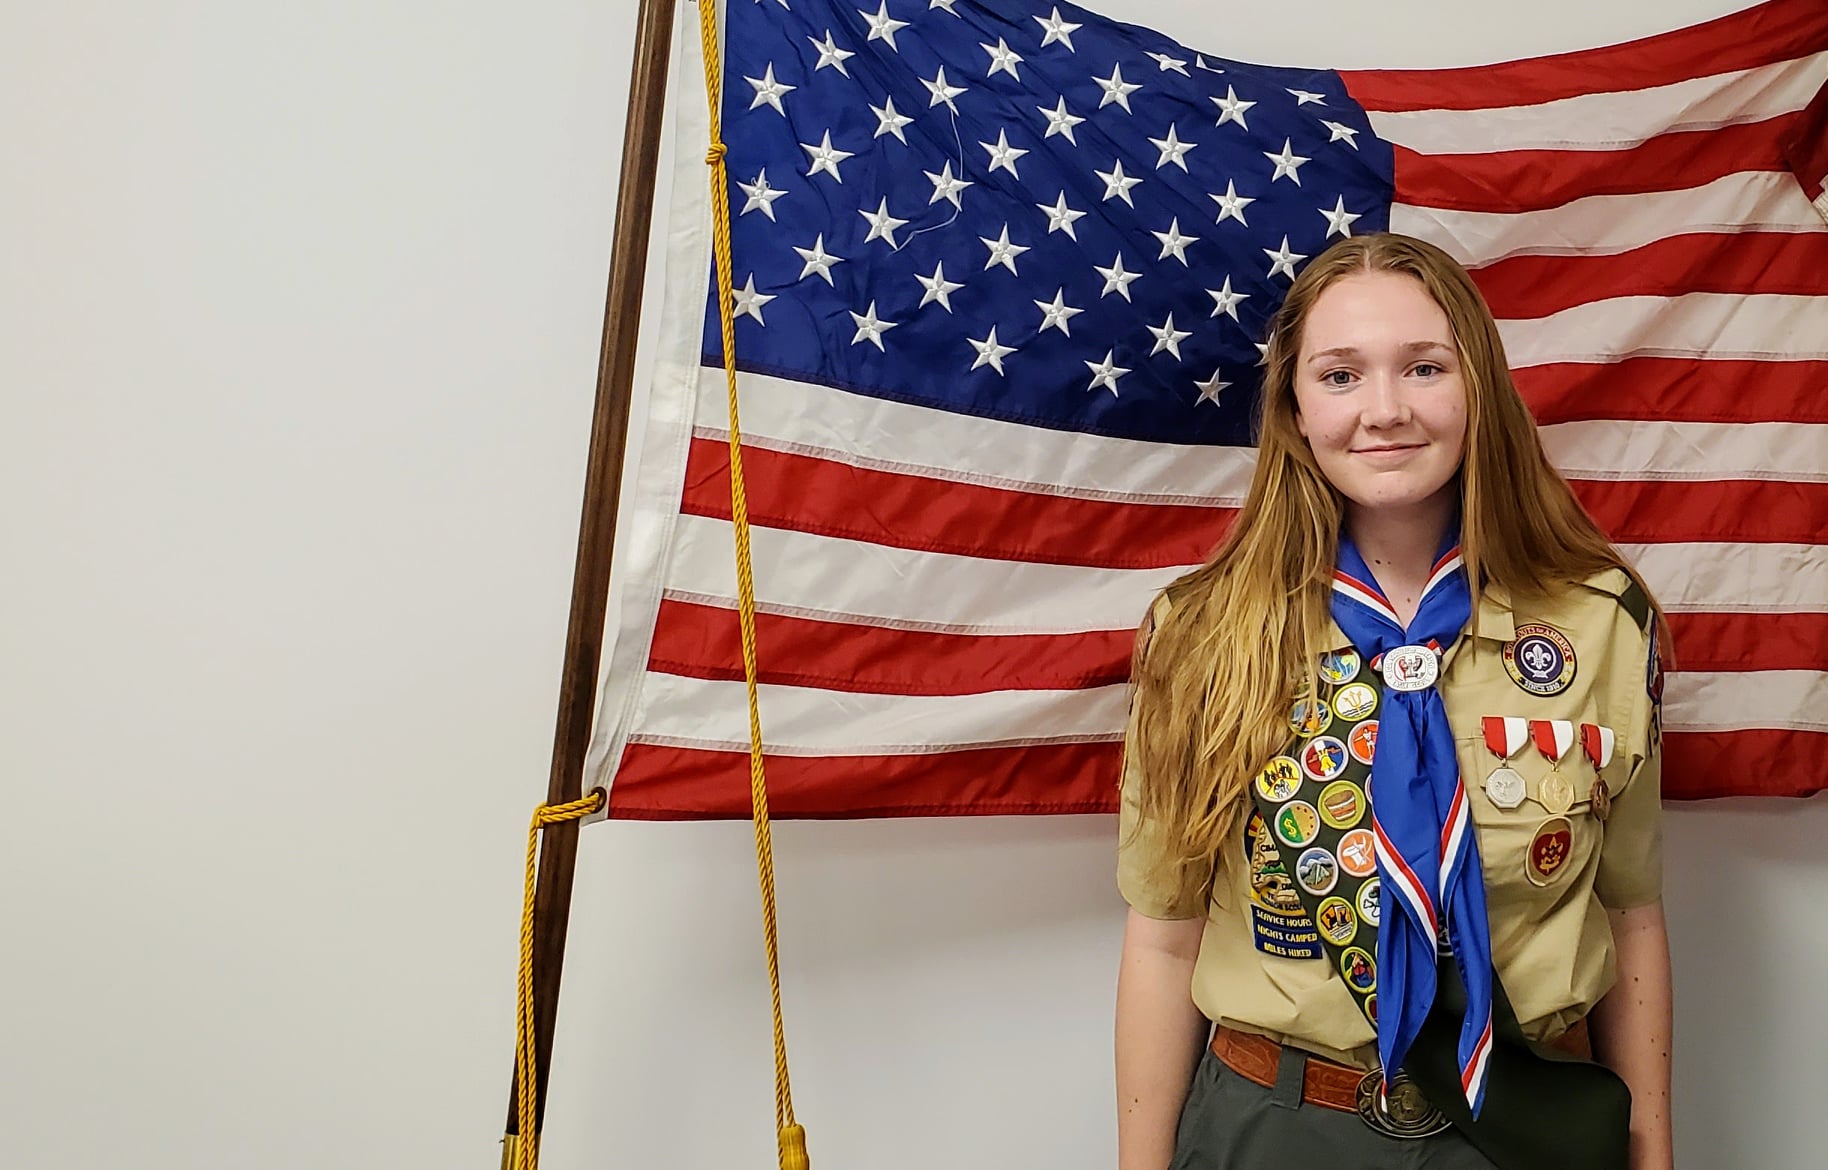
(790, 1136)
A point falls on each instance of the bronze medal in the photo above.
(1600, 799)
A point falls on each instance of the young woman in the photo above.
(1391, 828)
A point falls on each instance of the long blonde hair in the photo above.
(1214, 683)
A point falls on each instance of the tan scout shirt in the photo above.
(1552, 943)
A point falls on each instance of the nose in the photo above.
(1383, 406)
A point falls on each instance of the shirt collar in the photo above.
(1493, 620)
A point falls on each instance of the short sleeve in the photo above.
(1631, 857)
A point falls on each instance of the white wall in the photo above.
(297, 340)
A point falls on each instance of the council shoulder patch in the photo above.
(1540, 660)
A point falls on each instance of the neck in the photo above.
(1400, 543)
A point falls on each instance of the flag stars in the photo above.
(1210, 389)
(870, 327)
(825, 157)
(830, 55)
(883, 26)
(946, 187)
(1170, 64)
(1341, 133)
(1173, 150)
(932, 4)
(749, 302)
(1056, 29)
(942, 92)
(1282, 260)
(1003, 156)
(1199, 62)
(1288, 163)
(1060, 217)
(761, 195)
(938, 288)
(989, 353)
(768, 91)
(1173, 242)
(1339, 220)
(1232, 108)
(882, 224)
(1304, 98)
(1168, 337)
(1224, 300)
(818, 260)
(1231, 204)
(1057, 313)
(1116, 280)
(889, 120)
(1116, 89)
(1002, 252)
(1106, 373)
(1003, 59)
(1060, 121)
(1117, 184)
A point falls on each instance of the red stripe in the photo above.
(1448, 825)
(1747, 641)
(702, 641)
(1755, 262)
(1767, 762)
(1677, 390)
(1776, 31)
(1707, 511)
(1419, 892)
(656, 783)
(1532, 180)
(1340, 575)
(810, 494)
(1806, 150)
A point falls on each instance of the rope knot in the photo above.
(715, 156)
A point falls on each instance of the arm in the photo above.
(1632, 1029)
(1159, 1036)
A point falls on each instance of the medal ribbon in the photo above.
(1504, 736)
(1426, 851)
(1597, 742)
(1553, 737)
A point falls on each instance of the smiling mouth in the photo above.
(1392, 449)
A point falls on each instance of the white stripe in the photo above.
(1368, 600)
(1611, 121)
(1795, 700)
(1450, 856)
(1607, 741)
(1622, 449)
(1443, 573)
(784, 415)
(1516, 734)
(1409, 893)
(701, 713)
(1481, 1063)
(1763, 327)
(1606, 225)
(1734, 578)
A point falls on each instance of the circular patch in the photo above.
(1310, 717)
(1369, 907)
(1549, 850)
(1411, 668)
(1358, 853)
(1297, 824)
(1362, 742)
(1371, 1008)
(1360, 969)
(1339, 666)
(1354, 702)
(1279, 779)
(1338, 921)
(1342, 804)
(1540, 660)
(1324, 758)
(1317, 872)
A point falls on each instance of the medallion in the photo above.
(1555, 793)
(1505, 787)
(1411, 668)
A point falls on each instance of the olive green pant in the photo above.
(1230, 1123)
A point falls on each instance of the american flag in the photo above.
(1001, 272)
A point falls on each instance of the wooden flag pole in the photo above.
(597, 526)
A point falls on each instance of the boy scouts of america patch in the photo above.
(1540, 660)
(1278, 925)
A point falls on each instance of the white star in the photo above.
(750, 302)
(946, 187)
(938, 288)
(1116, 280)
(1002, 59)
(1116, 184)
(1059, 121)
(1058, 30)
(1303, 97)
(941, 91)
(1339, 220)
(1225, 301)
(825, 157)
(1231, 204)
(1003, 155)
(989, 353)
(1199, 62)
(1002, 251)
(770, 91)
(1287, 163)
(1173, 243)
(1283, 260)
(1169, 338)
(882, 25)
(946, 4)
(1232, 108)
(870, 327)
(882, 224)
(1116, 89)
(889, 120)
(1262, 352)
(1166, 62)
(1210, 389)
(1106, 373)
(830, 54)
(1057, 314)
(1173, 150)
(818, 260)
(1339, 132)
(1060, 217)
(761, 195)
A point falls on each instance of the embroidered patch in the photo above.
(1540, 660)
(1549, 850)
(1278, 925)
(1338, 921)
(1339, 666)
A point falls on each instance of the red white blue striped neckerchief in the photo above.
(1426, 851)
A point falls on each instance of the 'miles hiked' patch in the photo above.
(1278, 924)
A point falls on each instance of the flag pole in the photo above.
(597, 528)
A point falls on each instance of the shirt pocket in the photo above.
(1531, 854)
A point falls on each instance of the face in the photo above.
(1378, 391)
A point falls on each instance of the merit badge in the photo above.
(1338, 921)
(1411, 668)
(1549, 850)
(1317, 872)
(1504, 738)
(1297, 824)
(1310, 717)
(1540, 660)
(1339, 666)
(1342, 804)
(1323, 758)
(1359, 968)
(1371, 1008)
(1278, 924)
(1354, 702)
(1279, 779)
(1369, 907)
(1362, 742)
(1358, 853)
(1553, 738)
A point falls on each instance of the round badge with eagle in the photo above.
(1540, 660)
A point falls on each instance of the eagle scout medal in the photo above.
(1324, 758)
(1338, 921)
(1278, 924)
(1358, 853)
(1504, 738)
(1339, 666)
(1553, 738)
(1317, 872)
(1549, 850)
(1279, 780)
(1297, 824)
(1411, 668)
(1354, 701)
(1310, 717)
(1362, 742)
(1540, 660)
(1342, 804)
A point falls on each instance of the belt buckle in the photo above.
(1400, 1111)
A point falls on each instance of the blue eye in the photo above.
(1428, 370)
(1337, 378)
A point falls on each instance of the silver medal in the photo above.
(1505, 788)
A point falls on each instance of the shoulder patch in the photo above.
(1636, 603)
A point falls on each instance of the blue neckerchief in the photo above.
(1426, 851)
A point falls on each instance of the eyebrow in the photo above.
(1408, 347)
